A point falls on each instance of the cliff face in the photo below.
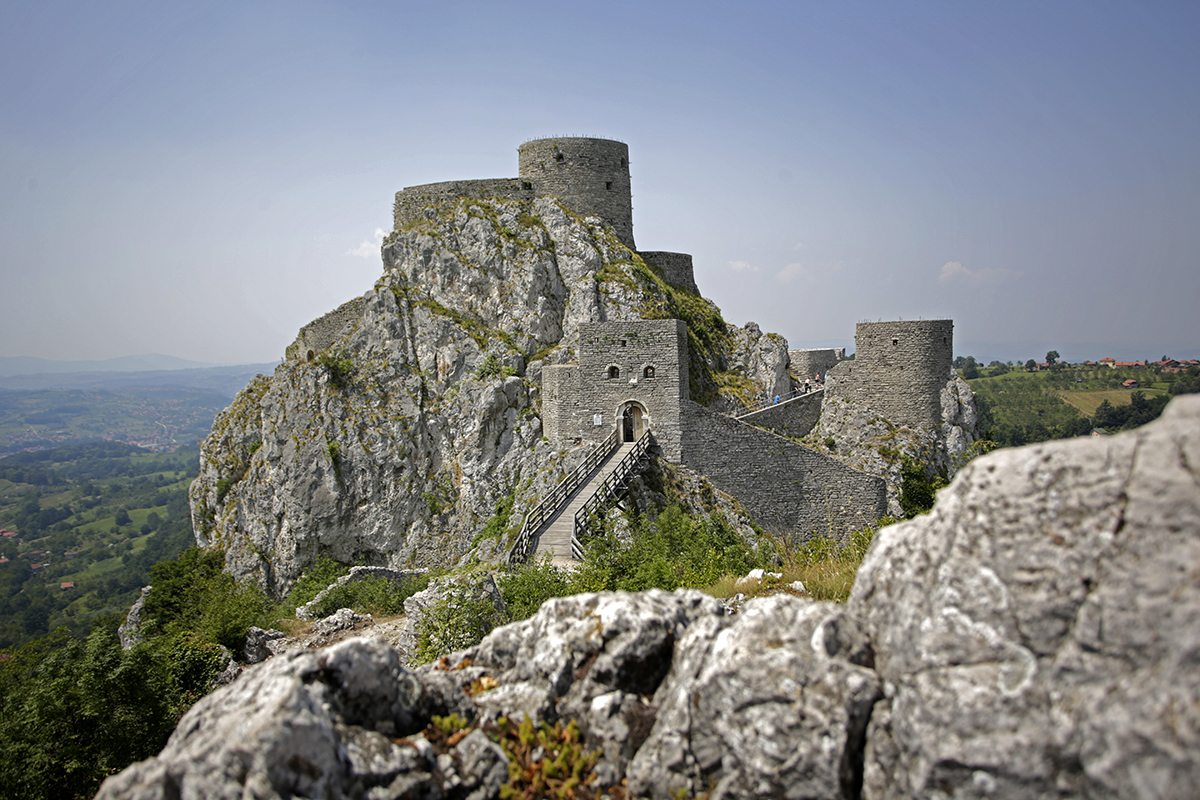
(398, 423)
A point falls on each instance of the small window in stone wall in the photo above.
(614, 372)
(558, 156)
(648, 372)
(608, 184)
(622, 343)
(895, 342)
(526, 185)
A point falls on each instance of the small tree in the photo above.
(1052, 357)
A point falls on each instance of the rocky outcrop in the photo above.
(398, 424)
(130, 631)
(861, 438)
(1034, 636)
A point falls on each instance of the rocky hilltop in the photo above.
(398, 423)
(1034, 636)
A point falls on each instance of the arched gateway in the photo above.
(632, 421)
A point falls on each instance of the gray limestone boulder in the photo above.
(477, 590)
(261, 644)
(754, 706)
(597, 659)
(1036, 634)
(305, 724)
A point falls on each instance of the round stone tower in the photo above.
(590, 177)
(899, 370)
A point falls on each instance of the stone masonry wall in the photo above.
(793, 418)
(412, 202)
(806, 362)
(898, 371)
(576, 395)
(787, 488)
(560, 401)
(589, 176)
(323, 331)
(675, 267)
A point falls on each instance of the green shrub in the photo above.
(525, 587)
(340, 367)
(316, 578)
(917, 489)
(491, 367)
(375, 596)
(460, 619)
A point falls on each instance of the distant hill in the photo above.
(226, 381)
(26, 365)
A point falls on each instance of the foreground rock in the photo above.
(1037, 632)
(1034, 636)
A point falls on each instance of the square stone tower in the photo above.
(631, 377)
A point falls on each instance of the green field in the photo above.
(1019, 407)
(1087, 401)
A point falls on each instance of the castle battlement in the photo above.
(589, 176)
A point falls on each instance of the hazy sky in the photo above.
(201, 179)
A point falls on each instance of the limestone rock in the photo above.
(594, 658)
(479, 590)
(130, 632)
(1036, 633)
(279, 731)
(761, 357)
(863, 439)
(755, 707)
(258, 647)
(1034, 636)
(396, 426)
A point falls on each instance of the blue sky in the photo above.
(200, 179)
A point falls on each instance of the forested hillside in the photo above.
(83, 525)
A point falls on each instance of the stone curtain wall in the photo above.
(811, 361)
(573, 395)
(898, 371)
(786, 487)
(589, 176)
(675, 267)
(413, 201)
(792, 418)
(323, 331)
(560, 402)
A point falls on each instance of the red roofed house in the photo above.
(1130, 384)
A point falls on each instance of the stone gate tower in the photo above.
(590, 176)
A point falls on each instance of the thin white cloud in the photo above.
(790, 271)
(798, 269)
(368, 248)
(798, 246)
(742, 266)
(955, 271)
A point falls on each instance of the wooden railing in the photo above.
(613, 486)
(544, 511)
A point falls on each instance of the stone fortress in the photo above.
(632, 377)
